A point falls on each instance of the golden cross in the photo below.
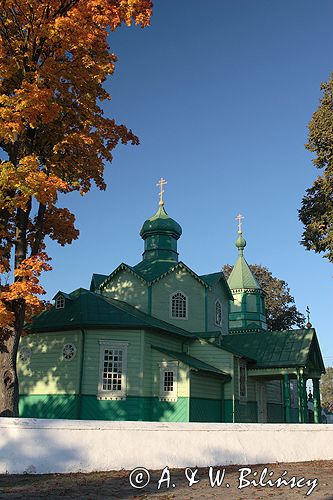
(239, 219)
(160, 183)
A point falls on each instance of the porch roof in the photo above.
(272, 349)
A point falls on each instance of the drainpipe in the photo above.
(79, 401)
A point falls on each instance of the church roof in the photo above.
(194, 362)
(275, 349)
(96, 281)
(151, 271)
(88, 310)
(241, 276)
(159, 223)
(214, 278)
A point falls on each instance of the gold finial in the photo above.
(239, 218)
(160, 183)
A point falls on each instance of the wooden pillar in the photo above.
(302, 397)
(286, 397)
(316, 401)
(300, 394)
(305, 399)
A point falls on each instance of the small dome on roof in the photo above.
(240, 242)
(159, 223)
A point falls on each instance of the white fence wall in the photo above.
(43, 446)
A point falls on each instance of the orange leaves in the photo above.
(26, 286)
(59, 225)
(54, 58)
(28, 180)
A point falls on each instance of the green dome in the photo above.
(160, 223)
(240, 242)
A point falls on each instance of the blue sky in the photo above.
(220, 93)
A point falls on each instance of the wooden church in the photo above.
(157, 342)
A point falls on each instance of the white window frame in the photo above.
(60, 302)
(218, 302)
(186, 305)
(169, 366)
(242, 364)
(112, 394)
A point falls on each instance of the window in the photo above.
(112, 373)
(242, 381)
(60, 302)
(218, 312)
(168, 381)
(179, 306)
(68, 352)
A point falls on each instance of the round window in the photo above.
(68, 352)
(25, 354)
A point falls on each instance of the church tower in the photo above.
(160, 234)
(247, 311)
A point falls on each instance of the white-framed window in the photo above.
(169, 381)
(178, 305)
(242, 377)
(60, 302)
(218, 313)
(112, 370)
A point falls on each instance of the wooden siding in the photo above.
(223, 360)
(206, 410)
(217, 292)
(129, 288)
(92, 355)
(48, 406)
(180, 280)
(274, 391)
(152, 358)
(202, 386)
(46, 372)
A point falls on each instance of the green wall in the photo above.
(180, 280)
(129, 288)
(206, 410)
(132, 408)
(46, 372)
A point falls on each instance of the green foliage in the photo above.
(316, 212)
(326, 389)
(281, 311)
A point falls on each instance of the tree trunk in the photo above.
(9, 393)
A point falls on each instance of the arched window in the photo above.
(60, 302)
(218, 312)
(179, 305)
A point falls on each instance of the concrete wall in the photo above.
(45, 446)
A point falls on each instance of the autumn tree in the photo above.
(54, 58)
(281, 311)
(326, 389)
(316, 211)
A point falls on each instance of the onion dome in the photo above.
(160, 233)
(160, 223)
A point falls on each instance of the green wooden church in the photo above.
(157, 342)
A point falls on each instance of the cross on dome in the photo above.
(239, 218)
(161, 183)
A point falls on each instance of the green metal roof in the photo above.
(194, 362)
(207, 335)
(241, 276)
(96, 281)
(213, 278)
(160, 222)
(88, 309)
(152, 270)
(275, 349)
